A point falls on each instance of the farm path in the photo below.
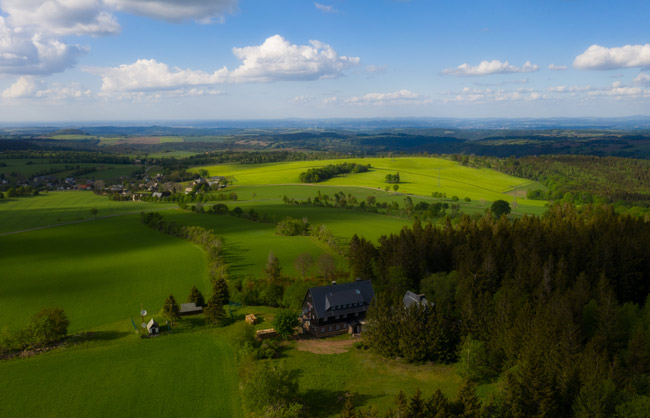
(82, 221)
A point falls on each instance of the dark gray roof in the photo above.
(411, 298)
(190, 307)
(341, 299)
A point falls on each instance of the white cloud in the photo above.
(23, 53)
(277, 59)
(204, 11)
(598, 57)
(150, 75)
(377, 69)
(554, 67)
(302, 99)
(569, 89)
(480, 96)
(61, 17)
(643, 78)
(397, 97)
(619, 91)
(28, 87)
(490, 67)
(325, 9)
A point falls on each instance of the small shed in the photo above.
(153, 327)
(411, 298)
(188, 309)
(251, 319)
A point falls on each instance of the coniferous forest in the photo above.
(553, 310)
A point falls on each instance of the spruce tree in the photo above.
(272, 269)
(401, 405)
(171, 311)
(214, 312)
(196, 296)
(416, 406)
(437, 405)
(220, 288)
(467, 403)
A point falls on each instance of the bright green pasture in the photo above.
(17, 214)
(98, 272)
(419, 176)
(247, 244)
(179, 375)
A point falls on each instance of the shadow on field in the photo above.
(99, 336)
(324, 402)
(235, 254)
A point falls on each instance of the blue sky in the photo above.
(242, 59)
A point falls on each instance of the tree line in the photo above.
(315, 175)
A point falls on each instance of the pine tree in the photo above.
(401, 405)
(468, 404)
(437, 406)
(220, 288)
(348, 409)
(214, 312)
(171, 311)
(196, 296)
(416, 406)
(371, 412)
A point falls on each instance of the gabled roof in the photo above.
(152, 324)
(341, 299)
(190, 307)
(411, 298)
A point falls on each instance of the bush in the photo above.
(292, 227)
(285, 322)
(46, 327)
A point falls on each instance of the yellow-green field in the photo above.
(419, 176)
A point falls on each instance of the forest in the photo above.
(553, 308)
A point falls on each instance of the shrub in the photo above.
(46, 327)
(285, 322)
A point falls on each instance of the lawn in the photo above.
(98, 272)
(21, 213)
(419, 176)
(186, 374)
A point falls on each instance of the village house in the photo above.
(411, 298)
(190, 308)
(336, 309)
(152, 327)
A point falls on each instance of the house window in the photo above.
(337, 327)
(329, 328)
(322, 329)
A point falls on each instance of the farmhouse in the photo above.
(336, 309)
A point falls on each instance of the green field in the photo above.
(419, 176)
(186, 374)
(98, 272)
(17, 214)
(107, 172)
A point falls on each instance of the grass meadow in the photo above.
(419, 176)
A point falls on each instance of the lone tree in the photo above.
(272, 269)
(196, 296)
(285, 322)
(220, 288)
(214, 312)
(396, 187)
(171, 309)
(303, 262)
(499, 208)
(326, 265)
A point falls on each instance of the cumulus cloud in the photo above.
(554, 67)
(23, 53)
(28, 87)
(302, 99)
(146, 75)
(490, 67)
(324, 8)
(61, 17)
(397, 97)
(277, 59)
(377, 69)
(480, 96)
(620, 92)
(598, 57)
(204, 11)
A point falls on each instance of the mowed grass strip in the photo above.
(419, 176)
(98, 272)
(179, 375)
(17, 214)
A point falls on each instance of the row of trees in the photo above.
(314, 175)
(45, 328)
